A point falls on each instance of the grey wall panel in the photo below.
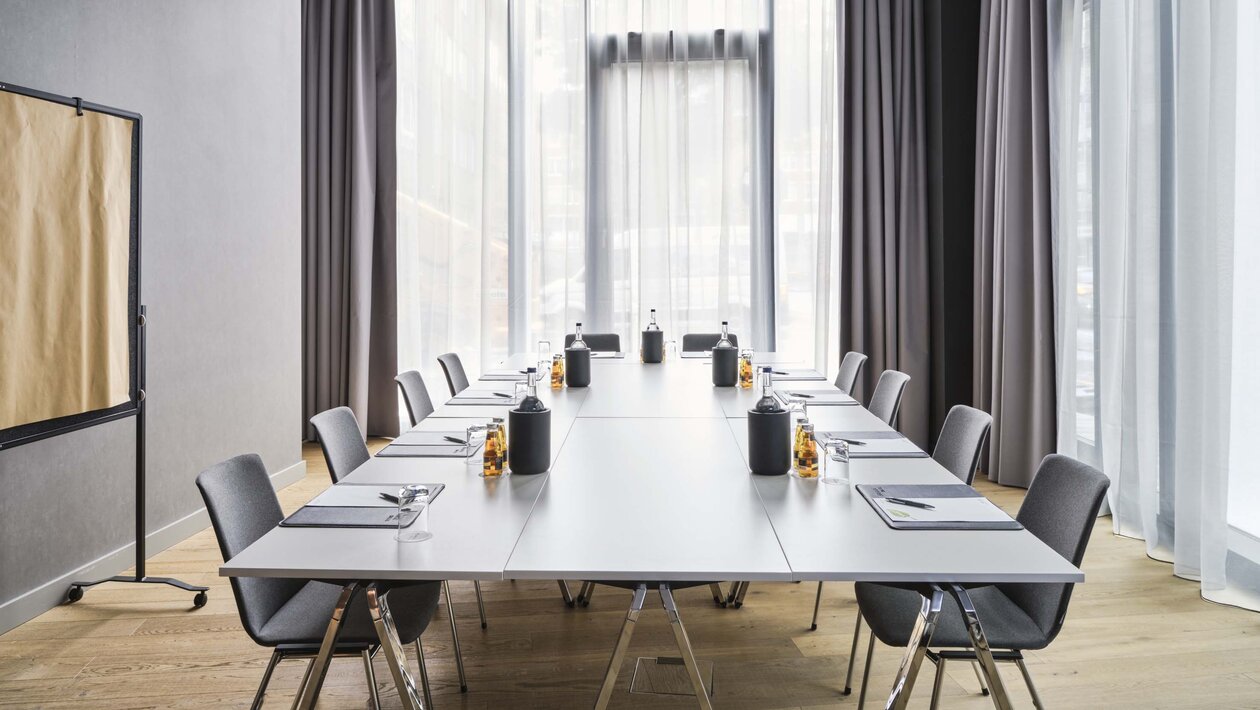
(219, 86)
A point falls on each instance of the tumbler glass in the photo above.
(836, 462)
(413, 514)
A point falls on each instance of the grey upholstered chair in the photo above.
(290, 616)
(962, 439)
(342, 442)
(886, 399)
(1060, 508)
(850, 368)
(699, 342)
(456, 379)
(597, 342)
(415, 395)
(344, 451)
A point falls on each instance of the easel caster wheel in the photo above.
(200, 600)
(74, 595)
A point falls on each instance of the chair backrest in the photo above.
(454, 371)
(601, 342)
(962, 439)
(699, 342)
(886, 399)
(341, 440)
(1060, 508)
(850, 368)
(415, 395)
(243, 507)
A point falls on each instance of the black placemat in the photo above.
(327, 516)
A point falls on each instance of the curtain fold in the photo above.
(884, 293)
(1014, 357)
(348, 211)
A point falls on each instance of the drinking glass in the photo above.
(671, 349)
(836, 462)
(544, 355)
(471, 438)
(519, 390)
(413, 514)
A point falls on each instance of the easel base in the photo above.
(75, 592)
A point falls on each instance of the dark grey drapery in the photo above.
(1013, 363)
(349, 182)
(884, 293)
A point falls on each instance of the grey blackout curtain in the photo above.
(1014, 375)
(349, 185)
(884, 296)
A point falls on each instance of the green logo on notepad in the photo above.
(898, 513)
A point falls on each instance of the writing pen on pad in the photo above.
(502, 394)
(911, 503)
(455, 440)
(801, 394)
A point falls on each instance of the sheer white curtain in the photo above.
(452, 185)
(1166, 154)
(675, 188)
(806, 161)
(553, 102)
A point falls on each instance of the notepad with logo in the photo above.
(955, 506)
(815, 397)
(351, 505)
(874, 444)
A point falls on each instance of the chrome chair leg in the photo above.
(936, 684)
(716, 590)
(684, 648)
(975, 666)
(424, 675)
(373, 693)
(1032, 689)
(813, 623)
(857, 635)
(313, 679)
(619, 651)
(929, 612)
(980, 645)
(564, 593)
(481, 605)
(266, 679)
(459, 656)
(866, 672)
(395, 658)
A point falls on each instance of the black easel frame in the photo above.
(89, 419)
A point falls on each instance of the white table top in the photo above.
(649, 483)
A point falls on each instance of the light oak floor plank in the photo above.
(1136, 637)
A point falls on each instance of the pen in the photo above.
(502, 394)
(911, 503)
(853, 442)
(390, 498)
(455, 440)
(801, 394)
(778, 372)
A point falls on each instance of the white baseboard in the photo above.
(19, 610)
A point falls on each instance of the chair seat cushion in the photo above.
(891, 614)
(304, 618)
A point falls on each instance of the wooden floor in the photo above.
(1136, 637)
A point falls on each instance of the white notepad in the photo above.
(947, 510)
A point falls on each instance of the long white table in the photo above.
(649, 487)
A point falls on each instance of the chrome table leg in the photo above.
(813, 623)
(266, 679)
(684, 648)
(743, 590)
(920, 636)
(716, 590)
(313, 679)
(373, 693)
(395, 658)
(459, 656)
(585, 593)
(564, 592)
(619, 651)
(857, 634)
(980, 644)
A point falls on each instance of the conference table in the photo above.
(649, 489)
